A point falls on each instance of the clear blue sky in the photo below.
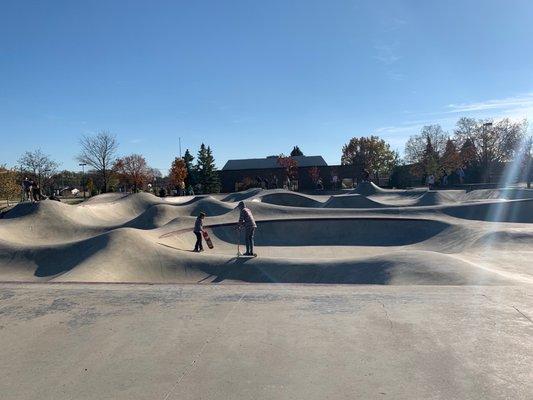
(254, 78)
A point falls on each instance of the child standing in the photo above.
(198, 230)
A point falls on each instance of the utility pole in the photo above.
(180, 145)
(82, 165)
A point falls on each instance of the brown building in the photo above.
(239, 175)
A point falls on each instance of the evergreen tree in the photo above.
(191, 171)
(296, 152)
(206, 170)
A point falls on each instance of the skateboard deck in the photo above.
(207, 239)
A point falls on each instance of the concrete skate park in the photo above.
(369, 293)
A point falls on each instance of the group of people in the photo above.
(431, 180)
(32, 190)
(265, 183)
(246, 222)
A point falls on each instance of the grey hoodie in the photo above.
(248, 219)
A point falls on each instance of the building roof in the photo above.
(272, 163)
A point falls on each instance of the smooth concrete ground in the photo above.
(82, 341)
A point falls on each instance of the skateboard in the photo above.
(207, 239)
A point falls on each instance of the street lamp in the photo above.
(82, 165)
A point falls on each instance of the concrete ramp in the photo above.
(307, 239)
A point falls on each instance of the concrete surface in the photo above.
(102, 341)
(370, 236)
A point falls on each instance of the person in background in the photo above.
(36, 191)
(246, 219)
(444, 179)
(275, 181)
(198, 230)
(334, 181)
(366, 175)
(461, 175)
(26, 186)
(431, 181)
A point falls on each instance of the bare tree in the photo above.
(527, 160)
(416, 146)
(99, 152)
(491, 141)
(39, 165)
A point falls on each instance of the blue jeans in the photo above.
(249, 238)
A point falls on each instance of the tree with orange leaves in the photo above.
(178, 173)
(133, 170)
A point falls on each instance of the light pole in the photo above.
(82, 165)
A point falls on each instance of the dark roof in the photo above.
(272, 162)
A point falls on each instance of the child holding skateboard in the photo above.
(198, 231)
(246, 219)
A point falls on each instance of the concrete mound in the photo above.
(290, 199)
(240, 196)
(352, 201)
(520, 211)
(433, 198)
(368, 189)
(308, 239)
(209, 205)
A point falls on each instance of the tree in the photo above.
(314, 174)
(416, 146)
(190, 180)
(133, 170)
(290, 165)
(451, 159)
(39, 165)
(206, 170)
(90, 186)
(99, 151)
(296, 152)
(9, 186)
(527, 160)
(490, 142)
(424, 150)
(67, 178)
(467, 154)
(371, 153)
(178, 172)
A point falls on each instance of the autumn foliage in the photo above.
(178, 172)
(132, 170)
(314, 174)
(290, 165)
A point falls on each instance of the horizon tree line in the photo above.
(474, 144)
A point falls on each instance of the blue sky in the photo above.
(254, 78)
